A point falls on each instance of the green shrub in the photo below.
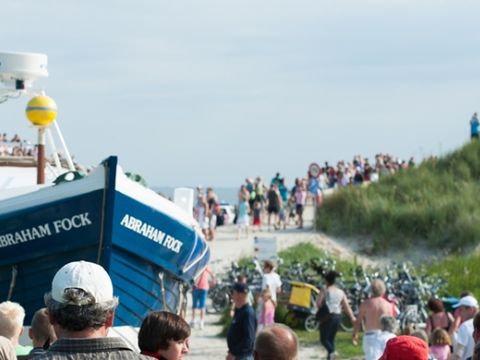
(434, 205)
(460, 274)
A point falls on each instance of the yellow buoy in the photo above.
(41, 110)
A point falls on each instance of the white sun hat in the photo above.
(468, 301)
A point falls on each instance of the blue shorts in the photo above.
(199, 298)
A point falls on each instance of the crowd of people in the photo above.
(278, 206)
(80, 310)
(15, 146)
(447, 336)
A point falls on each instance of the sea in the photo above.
(227, 195)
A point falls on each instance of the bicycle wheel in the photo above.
(311, 323)
(220, 299)
(346, 323)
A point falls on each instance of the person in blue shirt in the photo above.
(474, 127)
(241, 334)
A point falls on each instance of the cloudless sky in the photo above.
(210, 92)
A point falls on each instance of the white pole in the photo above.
(54, 149)
(67, 154)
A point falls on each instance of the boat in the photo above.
(151, 248)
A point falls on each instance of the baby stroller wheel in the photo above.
(291, 320)
(311, 323)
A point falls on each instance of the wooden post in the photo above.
(41, 156)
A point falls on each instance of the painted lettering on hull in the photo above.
(48, 229)
(152, 233)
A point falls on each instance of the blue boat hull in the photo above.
(150, 249)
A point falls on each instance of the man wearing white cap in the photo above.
(464, 343)
(81, 307)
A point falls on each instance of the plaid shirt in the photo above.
(104, 348)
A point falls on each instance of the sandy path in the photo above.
(205, 344)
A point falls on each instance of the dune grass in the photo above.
(459, 272)
(434, 205)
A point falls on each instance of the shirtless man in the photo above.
(371, 310)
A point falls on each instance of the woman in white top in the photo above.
(336, 301)
(200, 212)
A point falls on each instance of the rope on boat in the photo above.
(184, 300)
(12, 282)
(162, 288)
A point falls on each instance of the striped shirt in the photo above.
(103, 348)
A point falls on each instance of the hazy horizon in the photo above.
(213, 92)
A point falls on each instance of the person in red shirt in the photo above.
(199, 295)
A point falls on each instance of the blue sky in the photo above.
(210, 92)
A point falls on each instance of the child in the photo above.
(267, 312)
(242, 219)
(291, 209)
(257, 213)
(300, 198)
(441, 342)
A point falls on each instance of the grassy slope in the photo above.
(436, 204)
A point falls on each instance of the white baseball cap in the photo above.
(84, 275)
(468, 301)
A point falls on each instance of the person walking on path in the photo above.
(336, 301)
(257, 216)
(300, 200)
(200, 294)
(81, 308)
(241, 334)
(200, 213)
(474, 127)
(274, 204)
(369, 315)
(212, 201)
(243, 220)
(277, 342)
